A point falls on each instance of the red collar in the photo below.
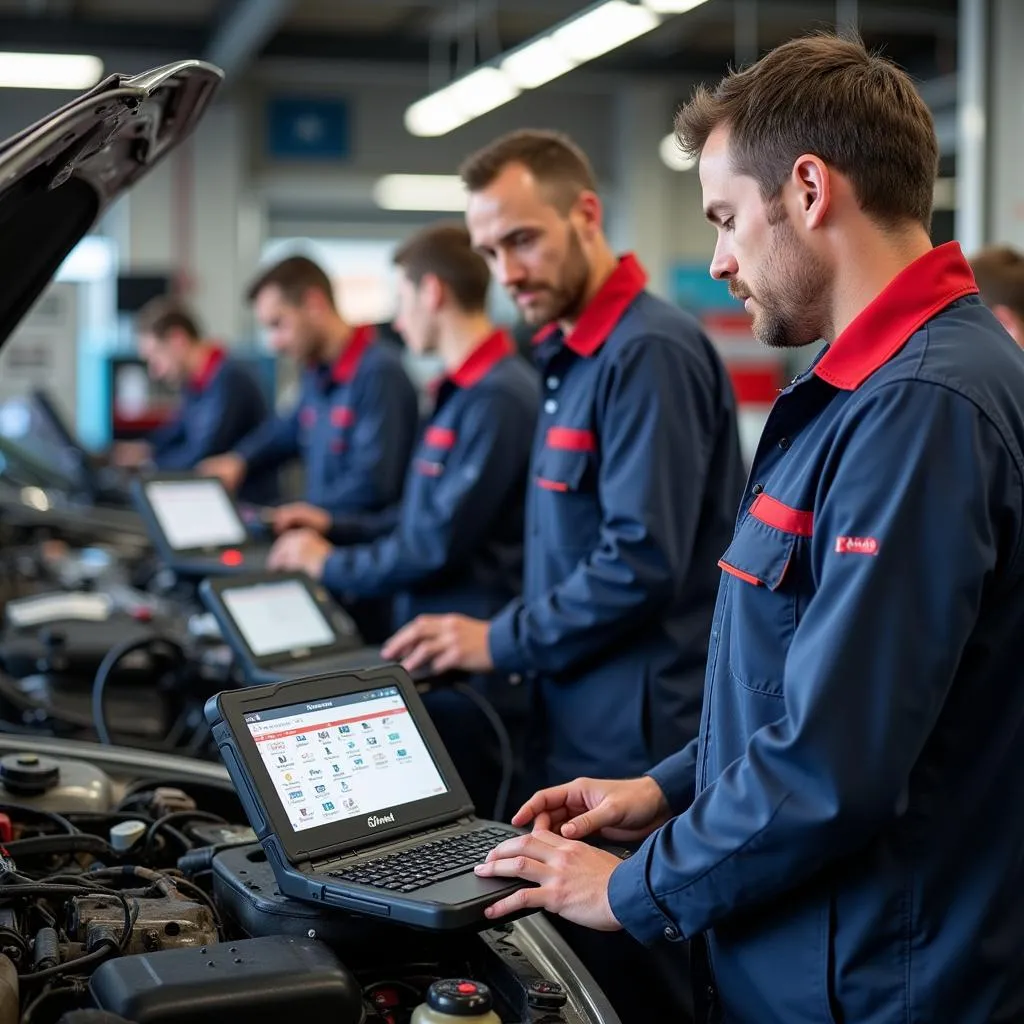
(926, 287)
(491, 351)
(203, 377)
(605, 310)
(345, 366)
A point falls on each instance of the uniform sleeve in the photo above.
(482, 473)
(382, 439)
(215, 422)
(922, 474)
(658, 422)
(272, 443)
(361, 527)
(676, 776)
(165, 442)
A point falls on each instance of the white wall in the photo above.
(1006, 124)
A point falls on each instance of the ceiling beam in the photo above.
(245, 27)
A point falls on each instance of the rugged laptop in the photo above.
(195, 525)
(355, 800)
(284, 626)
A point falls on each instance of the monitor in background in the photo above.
(135, 290)
(138, 404)
(278, 617)
(195, 514)
(345, 756)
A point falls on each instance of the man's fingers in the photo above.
(409, 636)
(423, 655)
(544, 800)
(536, 845)
(520, 900)
(514, 867)
(589, 822)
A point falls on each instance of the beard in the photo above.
(566, 299)
(791, 298)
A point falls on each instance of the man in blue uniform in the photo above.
(355, 421)
(849, 825)
(634, 480)
(220, 400)
(455, 543)
(999, 271)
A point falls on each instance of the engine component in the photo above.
(260, 981)
(125, 834)
(9, 1006)
(46, 949)
(64, 785)
(163, 922)
(168, 800)
(456, 1000)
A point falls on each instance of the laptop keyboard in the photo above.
(434, 861)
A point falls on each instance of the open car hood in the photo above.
(58, 176)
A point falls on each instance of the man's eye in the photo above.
(728, 224)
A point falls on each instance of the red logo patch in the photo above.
(856, 546)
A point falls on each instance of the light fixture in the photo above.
(428, 192)
(593, 32)
(672, 6)
(603, 29)
(672, 155)
(75, 71)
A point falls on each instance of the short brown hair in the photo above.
(295, 276)
(551, 157)
(445, 249)
(828, 96)
(999, 271)
(160, 316)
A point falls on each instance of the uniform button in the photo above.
(551, 406)
(784, 444)
(552, 383)
(515, 679)
(757, 489)
(671, 933)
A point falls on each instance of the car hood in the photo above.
(58, 175)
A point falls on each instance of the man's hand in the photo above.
(300, 550)
(300, 515)
(572, 878)
(131, 454)
(442, 643)
(621, 810)
(228, 468)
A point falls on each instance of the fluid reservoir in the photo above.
(60, 784)
(456, 1001)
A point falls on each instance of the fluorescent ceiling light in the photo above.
(604, 28)
(75, 71)
(672, 155)
(672, 6)
(432, 192)
(465, 98)
(537, 63)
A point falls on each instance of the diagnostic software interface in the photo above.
(278, 617)
(195, 514)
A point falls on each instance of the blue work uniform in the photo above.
(354, 426)
(635, 476)
(455, 542)
(853, 842)
(220, 404)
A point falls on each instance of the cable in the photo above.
(80, 842)
(25, 811)
(504, 745)
(178, 816)
(107, 666)
(89, 960)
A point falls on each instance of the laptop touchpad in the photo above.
(469, 886)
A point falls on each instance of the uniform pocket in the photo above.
(763, 561)
(567, 499)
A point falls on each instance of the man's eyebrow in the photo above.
(716, 212)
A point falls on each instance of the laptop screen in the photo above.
(195, 514)
(278, 617)
(344, 756)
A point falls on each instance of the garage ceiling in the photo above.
(919, 34)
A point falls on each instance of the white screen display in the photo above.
(277, 617)
(342, 758)
(195, 514)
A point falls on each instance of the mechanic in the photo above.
(455, 542)
(221, 401)
(635, 475)
(999, 271)
(848, 827)
(355, 421)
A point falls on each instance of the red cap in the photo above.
(467, 988)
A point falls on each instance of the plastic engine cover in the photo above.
(259, 981)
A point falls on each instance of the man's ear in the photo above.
(588, 213)
(432, 292)
(1011, 321)
(812, 184)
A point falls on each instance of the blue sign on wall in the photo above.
(307, 128)
(696, 290)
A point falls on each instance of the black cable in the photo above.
(504, 745)
(25, 811)
(76, 965)
(86, 887)
(203, 897)
(178, 816)
(78, 843)
(109, 663)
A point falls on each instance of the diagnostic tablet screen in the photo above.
(278, 617)
(195, 514)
